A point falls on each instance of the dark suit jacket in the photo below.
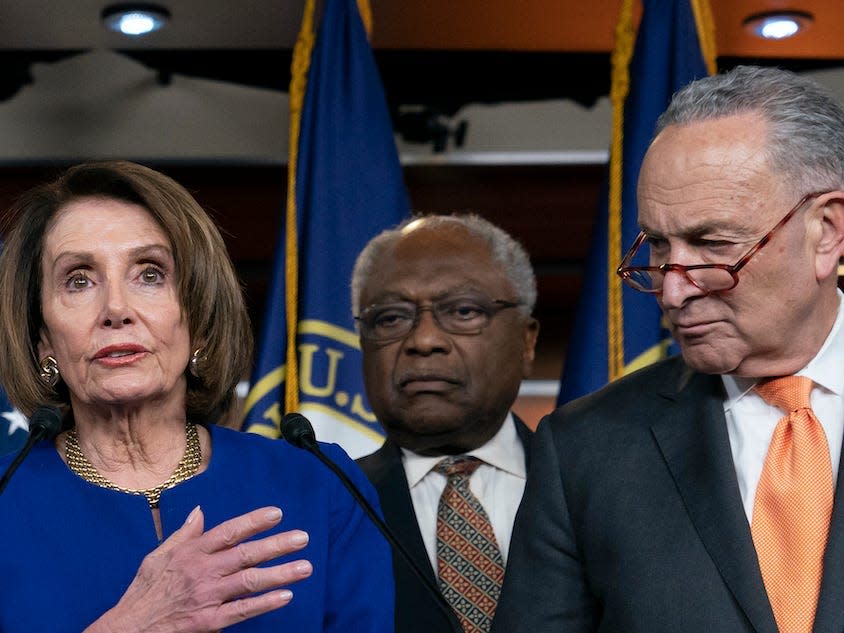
(416, 609)
(632, 520)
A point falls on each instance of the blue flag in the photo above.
(13, 427)
(617, 329)
(348, 186)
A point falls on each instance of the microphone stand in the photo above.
(297, 430)
(45, 423)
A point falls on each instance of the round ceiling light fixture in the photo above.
(778, 25)
(135, 19)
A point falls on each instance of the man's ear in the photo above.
(829, 245)
(531, 333)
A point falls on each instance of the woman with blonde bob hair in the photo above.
(120, 305)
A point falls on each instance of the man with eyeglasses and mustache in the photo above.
(699, 494)
(443, 305)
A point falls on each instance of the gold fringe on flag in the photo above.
(625, 40)
(705, 33)
(300, 66)
(298, 84)
(366, 16)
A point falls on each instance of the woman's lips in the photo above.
(119, 355)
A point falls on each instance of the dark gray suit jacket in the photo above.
(632, 520)
(416, 609)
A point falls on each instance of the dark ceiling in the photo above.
(437, 53)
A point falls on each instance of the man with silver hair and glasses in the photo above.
(443, 304)
(698, 494)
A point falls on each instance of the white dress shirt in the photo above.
(498, 483)
(751, 421)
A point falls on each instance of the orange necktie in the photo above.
(793, 506)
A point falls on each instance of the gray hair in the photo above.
(806, 133)
(506, 252)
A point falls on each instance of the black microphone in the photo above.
(297, 429)
(44, 424)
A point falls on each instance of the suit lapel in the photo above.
(388, 476)
(830, 614)
(416, 610)
(525, 435)
(692, 435)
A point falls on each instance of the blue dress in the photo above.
(69, 549)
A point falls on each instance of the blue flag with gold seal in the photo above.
(345, 185)
(618, 330)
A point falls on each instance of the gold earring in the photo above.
(195, 359)
(49, 372)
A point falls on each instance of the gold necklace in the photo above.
(185, 469)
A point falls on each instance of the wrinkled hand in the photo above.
(200, 582)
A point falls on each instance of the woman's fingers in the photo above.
(253, 580)
(251, 553)
(192, 528)
(243, 589)
(236, 530)
(230, 613)
(197, 581)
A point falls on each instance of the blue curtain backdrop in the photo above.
(668, 54)
(349, 187)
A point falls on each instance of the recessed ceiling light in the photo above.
(778, 25)
(135, 19)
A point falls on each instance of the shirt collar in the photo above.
(824, 369)
(503, 451)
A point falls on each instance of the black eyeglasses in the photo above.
(707, 277)
(465, 314)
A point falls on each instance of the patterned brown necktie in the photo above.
(469, 563)
(793, 506)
